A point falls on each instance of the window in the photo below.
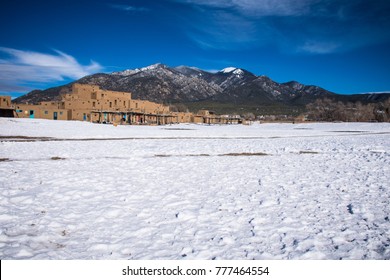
(110, 104)
(115, 102)
(46, 112)
(93, 104)
(61, 113)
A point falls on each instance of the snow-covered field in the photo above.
(76, 190)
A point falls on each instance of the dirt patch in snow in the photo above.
(244, 154)
(57, 158)
(308, 152)
(220, 155)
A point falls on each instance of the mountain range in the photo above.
(231, 90)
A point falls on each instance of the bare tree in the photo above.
(329, 110)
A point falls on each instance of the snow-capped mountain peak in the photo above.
(130, 72)
(153, 67)
(127, 72)
(228, 70)
(234, 70)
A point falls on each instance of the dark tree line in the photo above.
(330, 110)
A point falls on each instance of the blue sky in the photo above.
(340, 45)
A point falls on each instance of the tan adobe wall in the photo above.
(81, 104)
(87, 92)
(5, 102)
(197, 119)
(90, 103)
(184, 117)
(52, 105)
(137, 105)
(25, 110)
(153, 107)
(115, 94)
(166, 109)
(80, 115)
(84, 91)
(88, 97)
(144, 106)
(40, 112)
(203, 113)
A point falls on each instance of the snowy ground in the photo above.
(76, 190)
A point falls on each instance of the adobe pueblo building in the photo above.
(6, 110)
(90, 103)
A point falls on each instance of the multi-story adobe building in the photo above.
(90, 103)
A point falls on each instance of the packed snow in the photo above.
(235, 71)
(77, 190)
(129, 72)
(228, 69)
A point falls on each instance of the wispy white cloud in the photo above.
(297, 26)
(224, 31)
(243, 24)
(22, 68)
(128, 8)
(260, 7)
(314, 47)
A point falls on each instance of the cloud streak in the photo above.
(261, 7)
(128, 8)
(21, 69)
(293, 26)
(224, 31)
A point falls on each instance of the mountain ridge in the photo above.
(231, 87)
